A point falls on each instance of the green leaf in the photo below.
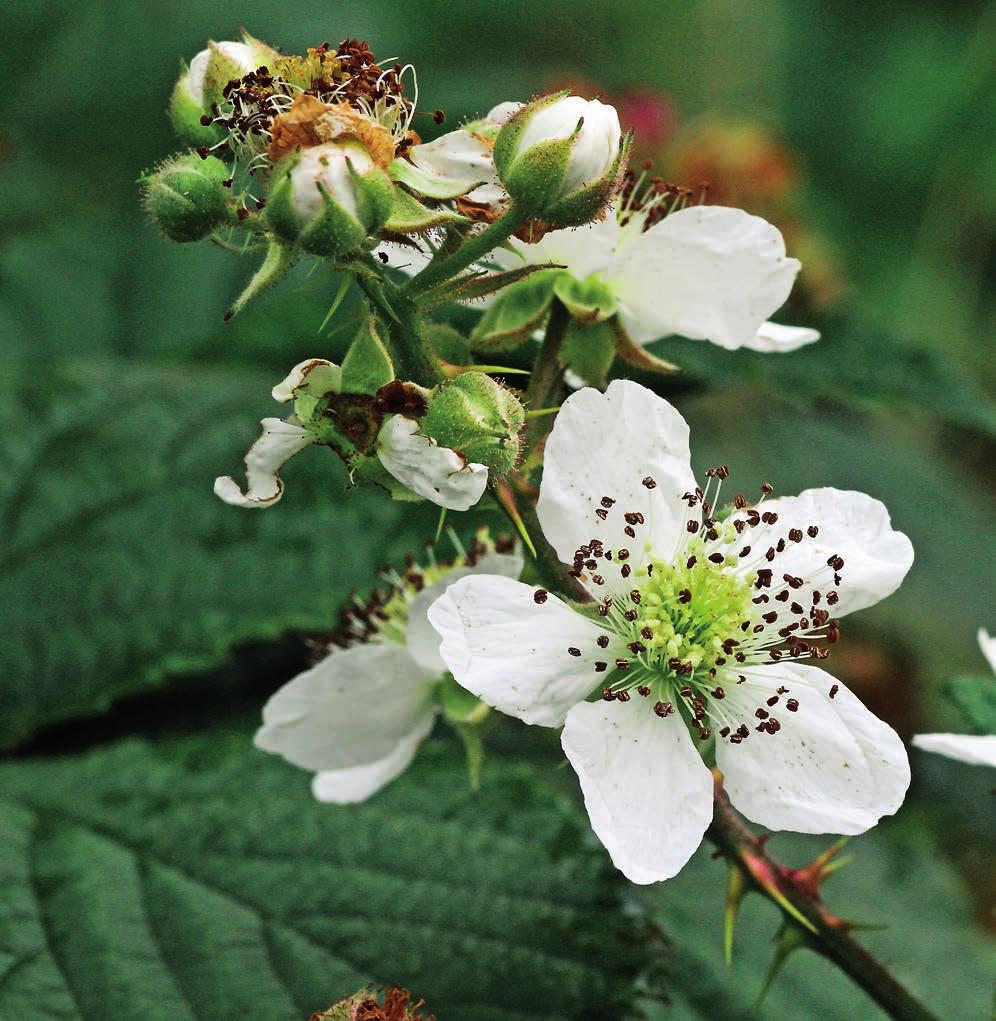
(409, 216)
(119, 565)
(198, 879)
(367, 365)
(975, 698)
(898, 877)
(515, 313)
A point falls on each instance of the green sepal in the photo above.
(424, 183)
(367, 365)
(515, 313)
(507, 139)
(458, 705)
(589, 351)
(370, 470)
(409, 216)
(585, 204)
(588, 300)
(638, 356)
(448, 343)
(276, 265)
(535, 178)
(185, 115)
(975, 698)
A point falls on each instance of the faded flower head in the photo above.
(366, 1005)
(703, 628)
(357, 717)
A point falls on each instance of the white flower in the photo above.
(696, 619)
(357, 717)
(976, 750)
(703, 272)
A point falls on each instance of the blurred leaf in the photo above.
(975, 697)
(198, 879)
(857, 364)
(897, 878)
(119, 565)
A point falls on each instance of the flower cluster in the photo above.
(675, 638)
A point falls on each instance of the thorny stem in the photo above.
(474, 248)
(798, 888)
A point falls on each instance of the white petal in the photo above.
(455, 162)
(433, 472)
(976, 751)
(349, 786)
(605, 445)
(707, 273)
(852, 525)
(277, 444)
(504, 112)
(988, 647)
(317, 375)
(511, 651)
(421, 638)
(774, 337)
(833, 767)
(350, 709)
(582, 250)
(647, 790)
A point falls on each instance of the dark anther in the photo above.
(773, 700)
(767, 488)
(622, 664)
(690, 562)
(602, 641)
(744, 552)
(692, 526)
(716, 558)
(792, 705)
(684, 596)
(607, 501)
(601, 667)
(635, 596)
(623, 554)
(643, 691)
(573, 651)
(761, 714)
(629, 531)
(626, 570)
(663, 709)
(602, 512)
(540, 596)
(649, 483)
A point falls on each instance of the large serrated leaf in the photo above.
(198, 879)
(119, 565)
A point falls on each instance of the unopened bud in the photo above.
(187, 198)
(480, 418)
(560, 158)
(329, 198)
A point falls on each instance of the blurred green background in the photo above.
(864, 130)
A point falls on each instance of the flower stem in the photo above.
(413, 358)
(547, 376)
(795, 892)
(474, 248)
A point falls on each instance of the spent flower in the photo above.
(701, 628)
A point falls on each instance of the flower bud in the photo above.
(186, 197)
(560, 158)
(478, 417)
(329, 198)
(201, 84)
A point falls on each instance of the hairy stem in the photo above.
(474, 248)
(796, 893)
(406, 337)
(546, 381)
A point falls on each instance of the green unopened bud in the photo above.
(478, 417)
(186, 197)
(329, 198)
(560, 158)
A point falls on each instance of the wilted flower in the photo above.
(975, 749)
(700, 622)
(357, 717)
(360, 428)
